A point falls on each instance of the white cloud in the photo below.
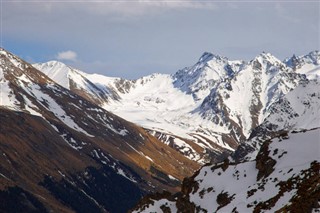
(67, 56)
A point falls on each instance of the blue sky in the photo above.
(131, 39)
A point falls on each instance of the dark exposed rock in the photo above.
(63, 135)
(307, 196)
(149, 199)
(224, 199)
(16, 199)
(241, 152)
(165, 209)
(264, 163)
(96, 191)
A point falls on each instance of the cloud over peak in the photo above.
(67, 55)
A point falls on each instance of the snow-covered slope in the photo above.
(308, 64)
(85, 128)
(96, 88)
(162, 104)
(203, 110)
(156, 104)
(298, 110)
(200, 78)
(243, 102)
(277, 169)
(284, 177)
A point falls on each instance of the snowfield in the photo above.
(204, 103)
(294, 157)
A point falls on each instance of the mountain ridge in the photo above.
(275, 169)
(60, 146)
(241, 116)
(206, 93)
(282, 177)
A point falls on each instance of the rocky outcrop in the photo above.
(284, 177)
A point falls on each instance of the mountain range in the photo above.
(64, 150)
(225, 100)
(73, 141)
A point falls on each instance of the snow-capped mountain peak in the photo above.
(224, 99)
(207, 56)
(52, 136)
(267, 62)
(57, 71)
(204, 75)
(312, 57)
(16, 61)
(54, 64)
(308, 64)
(267, 56)
(86, 85)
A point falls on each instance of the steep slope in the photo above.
(37, 161)
(83, 84)
(163, 104)
(200, 78)
(243, 102)
(58, 147)
(277, 169)
(298, 110)
(157, 105)
(206, 110)
(284, 177)
(307, 64)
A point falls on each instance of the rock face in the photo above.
(257, 122)
(275, 170)
(203, 111)
(307, 64)
(39, 167)
(288, 181)
(62, 153)
(264, 163)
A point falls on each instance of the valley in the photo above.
(233, 132)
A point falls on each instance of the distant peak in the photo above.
(314, 55)
(3, 51)
(294, 56)
(8, 54)
(207, 56)
(54, 62)
(266, 57)
(315, 52)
